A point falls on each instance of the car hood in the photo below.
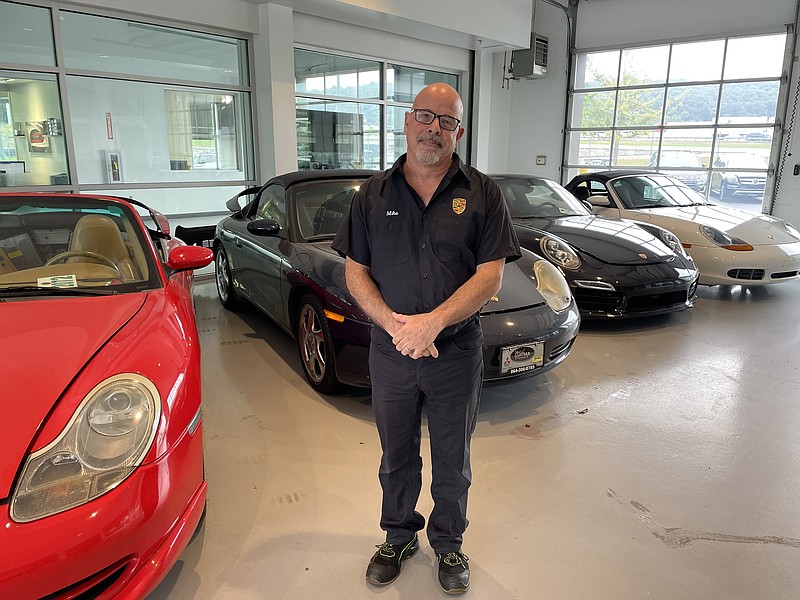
(612, 241)
(518, 289)
(45, 344)
(756, 230)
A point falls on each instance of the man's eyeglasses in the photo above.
(426, 117)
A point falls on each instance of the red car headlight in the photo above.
(107, 438)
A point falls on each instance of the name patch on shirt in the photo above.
(459, 205)
(392, 213)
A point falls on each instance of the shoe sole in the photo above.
(455, 592)
(408, 554)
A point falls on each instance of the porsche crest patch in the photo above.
(459, 205)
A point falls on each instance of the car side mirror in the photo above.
(188, 258)
(264, 227)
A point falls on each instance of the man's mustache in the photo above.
(430, 137)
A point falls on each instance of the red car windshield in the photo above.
(60, 244)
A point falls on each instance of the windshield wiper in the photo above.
(32, 290)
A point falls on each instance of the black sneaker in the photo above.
(384, 566)
(453, 572)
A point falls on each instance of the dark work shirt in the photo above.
(420, 255)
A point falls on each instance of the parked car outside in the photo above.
(749, 180)
(274, 251)
(101, 480)
(684, 165)
(729, 246)
(615, 268)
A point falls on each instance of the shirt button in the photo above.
(427, 306)
(423, 245)
(424, 275)
(424, 216)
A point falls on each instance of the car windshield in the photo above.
(61, 245)
(321, 206)
(531, 197)
(654, 191)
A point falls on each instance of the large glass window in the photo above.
(159, 133)
(344, 117)
(702, 111)
(102, 44)
(148, 106)
(26, 36)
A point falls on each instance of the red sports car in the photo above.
(101, 458)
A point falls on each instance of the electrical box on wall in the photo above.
(531, 63)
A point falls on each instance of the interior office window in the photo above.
(700, 111)
(344, 118)
(137, 132)
(202, 130)
(119, 46)
(26, 35)
(32, 148)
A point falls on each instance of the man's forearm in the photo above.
(470, 297)
(420, 330)
(366, 293)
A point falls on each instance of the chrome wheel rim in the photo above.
(223, 277)
(312, 344)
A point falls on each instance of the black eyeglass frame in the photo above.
(416, 112)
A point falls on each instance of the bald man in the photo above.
(425, 243)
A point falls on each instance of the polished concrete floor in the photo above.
(660, 461)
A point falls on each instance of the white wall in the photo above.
(537, 106)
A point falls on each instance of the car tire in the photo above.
(315, 345)
(224, 280)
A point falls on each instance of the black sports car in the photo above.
(274, 251)
(616, 268)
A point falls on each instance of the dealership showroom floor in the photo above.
(659, 461)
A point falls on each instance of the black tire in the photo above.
(222, 276)
(315, 345)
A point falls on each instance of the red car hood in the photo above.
(44, 344)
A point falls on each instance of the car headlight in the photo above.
(552, 285)
(791, 229)
(672, 241)
(723, 240)
(560, 252)
(106, 439)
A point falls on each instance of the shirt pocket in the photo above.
(391, 242)
(455, 239)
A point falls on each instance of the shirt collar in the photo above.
(396, 169)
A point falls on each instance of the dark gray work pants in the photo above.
(448, 387)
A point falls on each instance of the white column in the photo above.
(273, 50)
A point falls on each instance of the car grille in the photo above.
(93, 586)
(752, 180)
(591, 300)
(560, 349)
(654, 301)
(784, 275)
(746, 274)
